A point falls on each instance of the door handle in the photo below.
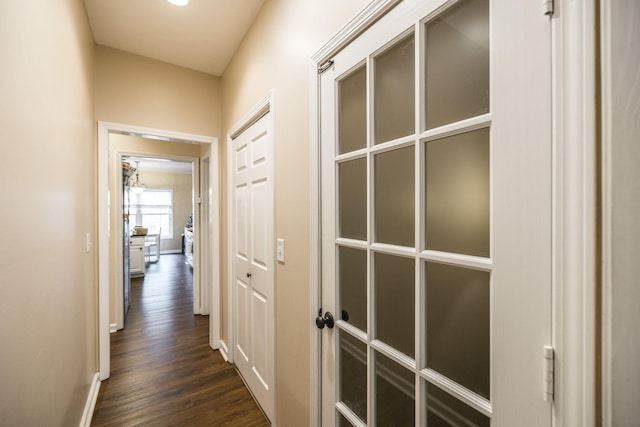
(327, 320)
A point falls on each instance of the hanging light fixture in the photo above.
(179, 2)
(136, 186)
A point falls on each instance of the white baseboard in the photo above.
(224, 350)
(113, 327)
(171, 251)
(90, 405)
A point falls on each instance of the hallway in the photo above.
(163, 371)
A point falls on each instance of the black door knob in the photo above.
(320, 322)
(326, 320)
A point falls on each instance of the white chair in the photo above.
(152, 246)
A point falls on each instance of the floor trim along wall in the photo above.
(92, 398)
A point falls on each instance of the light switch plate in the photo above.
(280, 250)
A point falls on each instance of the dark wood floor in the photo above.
(163, 372)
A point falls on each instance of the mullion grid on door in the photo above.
(426, 376)
(375, 345)
(419, 207)
(372, 247)
(343, 326)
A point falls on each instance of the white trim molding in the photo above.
(352, 29)
(215, 296)
(574, 219)
(607, 211)
(90, 405)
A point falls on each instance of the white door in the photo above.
(253, 252)
(436, 218)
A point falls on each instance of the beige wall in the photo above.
(275, 54)
(47, 183)
(134, 90)
(141, 146)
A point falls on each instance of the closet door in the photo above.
(254, 261)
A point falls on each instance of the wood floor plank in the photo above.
(163, 372)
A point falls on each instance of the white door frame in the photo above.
(574, 204)
(619, 97)
(104, 129)
(264, 106)
(205, 234)
(575, 211)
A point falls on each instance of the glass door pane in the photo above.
(395, 393)
(394, 94)
(352, 112)
(353, 375)
(394, 195)
(457, 64)
(352, 191)
(352, 280)
(443, 410)
(394, 291)
(458, 319)
(343, 422)
(457, 193)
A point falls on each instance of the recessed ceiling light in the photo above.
(179, 2)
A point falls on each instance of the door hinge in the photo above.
(548, 7)
(324, 67)
(549, 373)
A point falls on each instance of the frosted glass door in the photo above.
(436, 219)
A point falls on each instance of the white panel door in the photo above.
(436, 218)
(253, 265)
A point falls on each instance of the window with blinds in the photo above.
(153, 209)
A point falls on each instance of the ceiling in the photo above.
(202, 36)
(160, 165)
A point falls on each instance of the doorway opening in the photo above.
(206, 239)
(157, 205)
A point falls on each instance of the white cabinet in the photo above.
(136, 256)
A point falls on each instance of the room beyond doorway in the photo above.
(157, 215)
